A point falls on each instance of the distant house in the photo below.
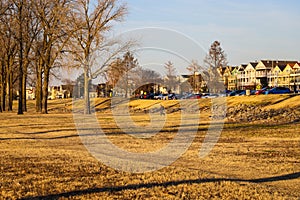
(275, 76)
(282, 74)
(30, 93)
(295, 76)
(250, 76)
(232, 79)
(262, 69)
(241, 78)
(226, 75)
(60, 92)
(192, 83)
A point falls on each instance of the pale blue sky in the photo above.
(248, 30)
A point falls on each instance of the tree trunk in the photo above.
(86, 93)
(20, 101)
(45, 90)
(25, 67)
(8, 92)
(1, 87)
(38, 91)
(24, 81)
(10, 102)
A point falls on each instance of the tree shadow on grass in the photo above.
(165, 184)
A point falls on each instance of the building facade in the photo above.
(265, 73)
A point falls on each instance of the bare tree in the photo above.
(215, 60)
(129, 63)
(146, 79)
(9, 53)
(114, 72)
(50, 42)
(68, 86)
(216, 57)
(170, 76)
(29, 34)
(92, 22)
(1, 77)
(3, 8)
(19, 9)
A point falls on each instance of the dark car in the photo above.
(147, 96)
(172, 96)
(161, 97)
(253, 92)
(242, 93)
(186, 96)
(237, 92)
(278, 90)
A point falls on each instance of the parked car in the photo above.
(252, 92)
(278, 90)
(147, 96)
(161, 97)
(241, 93)
(187, 96)
(208, 95)
(195, 96)
(172, 96)
(236, 92)
(261, 91)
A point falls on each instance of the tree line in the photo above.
(38, 36)
(126, 76)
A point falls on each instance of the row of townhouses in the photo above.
(255, 75)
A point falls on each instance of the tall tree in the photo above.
(91, 23)
(29, 34)
(170, 80)
(215, 60)
(1, 77)
(114, 72)
(15, 37)
(129, 63)
(216, 57)
(52, 38)
(19, 6)
(9, 52)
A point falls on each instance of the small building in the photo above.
(30, 93)
(60, 92)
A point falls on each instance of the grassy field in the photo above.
(42, 156)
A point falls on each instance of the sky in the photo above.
(248, 30)
(183, 30)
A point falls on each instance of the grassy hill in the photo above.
(43, 157)
(267, 102)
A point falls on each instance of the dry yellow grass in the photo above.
(43, 157)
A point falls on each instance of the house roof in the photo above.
(242, 67)
(296, 66)
(254, 64)
(250, 67)
(281, 67)
(269, 64)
